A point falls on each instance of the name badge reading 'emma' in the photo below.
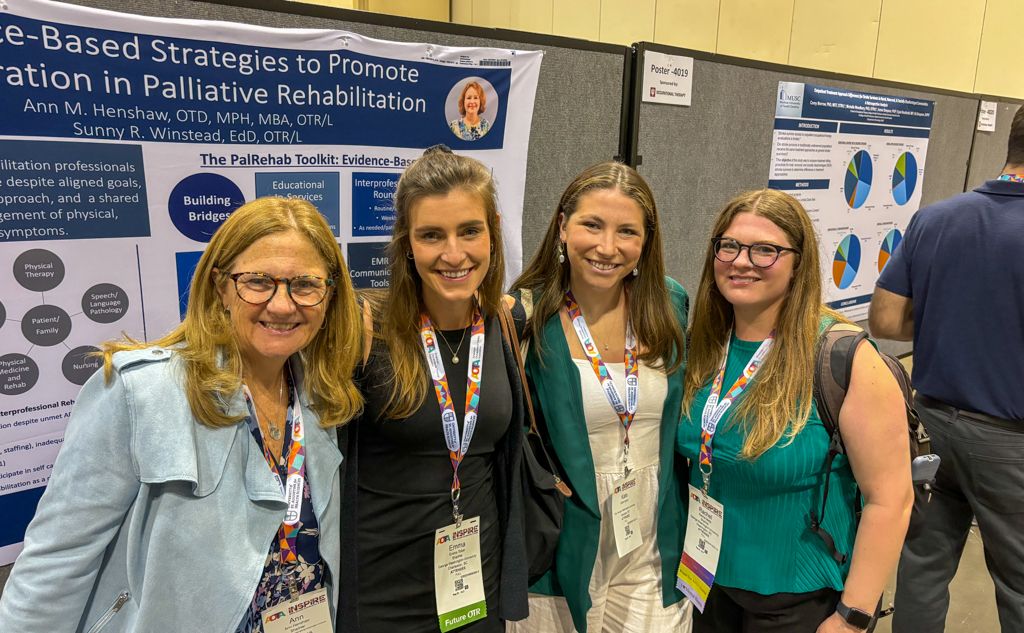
(458, 575)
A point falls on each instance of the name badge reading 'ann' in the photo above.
(307, 613)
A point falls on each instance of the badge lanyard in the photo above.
(292, 487)
(1011, 178)
(714, 409)
(457, 448)
(625, 410)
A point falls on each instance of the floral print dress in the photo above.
(309, 572)
(468, 132)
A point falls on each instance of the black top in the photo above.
(404, 490)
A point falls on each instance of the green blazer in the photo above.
(555, 389)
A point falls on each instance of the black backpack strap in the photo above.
(833, 369)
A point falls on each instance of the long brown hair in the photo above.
(436, 173)
(205, 339)
(650, 309)
(786, 377)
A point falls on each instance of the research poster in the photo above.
(126, 141)
(855, 160)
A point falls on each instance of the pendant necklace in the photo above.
(454, 352)
(272, 430)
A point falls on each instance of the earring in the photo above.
(408, 254)
(561, 255)
(636, 272)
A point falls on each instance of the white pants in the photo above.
(626, 592)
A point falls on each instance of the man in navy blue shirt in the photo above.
(955, 285)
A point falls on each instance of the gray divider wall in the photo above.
(696, 158)
(989, 153)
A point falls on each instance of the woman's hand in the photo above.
(835, 624)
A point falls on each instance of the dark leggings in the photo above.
(730, 610)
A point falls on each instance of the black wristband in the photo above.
(854, 617)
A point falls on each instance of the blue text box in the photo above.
(321, 189)
(53, 190)
(373, 203)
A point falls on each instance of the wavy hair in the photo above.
(787, 375)
(649, 306)
(436, 173)
(480, 93)
(207, 343)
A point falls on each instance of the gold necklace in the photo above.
(455, 352)
(275, 433)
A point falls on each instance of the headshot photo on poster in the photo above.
(471, 108)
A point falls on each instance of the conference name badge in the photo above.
(626, 517)
(458, 575)
(308, 613)
(701, 547)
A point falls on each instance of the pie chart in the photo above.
(889, 244)
(904, 178)
(846, 262)
(858, 179)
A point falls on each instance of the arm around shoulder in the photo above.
(94, 481)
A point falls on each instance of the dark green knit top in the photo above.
(767, 546)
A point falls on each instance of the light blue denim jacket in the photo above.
(152, 522)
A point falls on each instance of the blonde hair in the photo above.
(436, 173)
(206, 341)
(650, 308)
(786, 377)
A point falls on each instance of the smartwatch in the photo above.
(854, 617)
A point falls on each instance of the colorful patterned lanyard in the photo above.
(625, 410)
(1012, 177)
(456, 449)
(292, 489)
(715, 410)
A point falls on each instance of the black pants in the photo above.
(981, 474)
(730, 610)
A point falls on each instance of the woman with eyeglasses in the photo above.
(197, 488)
(605, 365)
(435, 534)
(757, 446)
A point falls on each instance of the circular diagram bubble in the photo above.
(3, 314)
(46, 325)
(200, 203)
(38, 270)
(18, 374)
(105, 303)
(78, 365)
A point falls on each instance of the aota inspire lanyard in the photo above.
(457, 448)
(715, 410)
(625, 410)
(293, 486)
(1011, 177)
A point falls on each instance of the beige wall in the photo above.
(966, 45)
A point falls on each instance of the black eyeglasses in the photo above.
(761, 254)
(305, 290)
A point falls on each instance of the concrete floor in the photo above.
(972, 604)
